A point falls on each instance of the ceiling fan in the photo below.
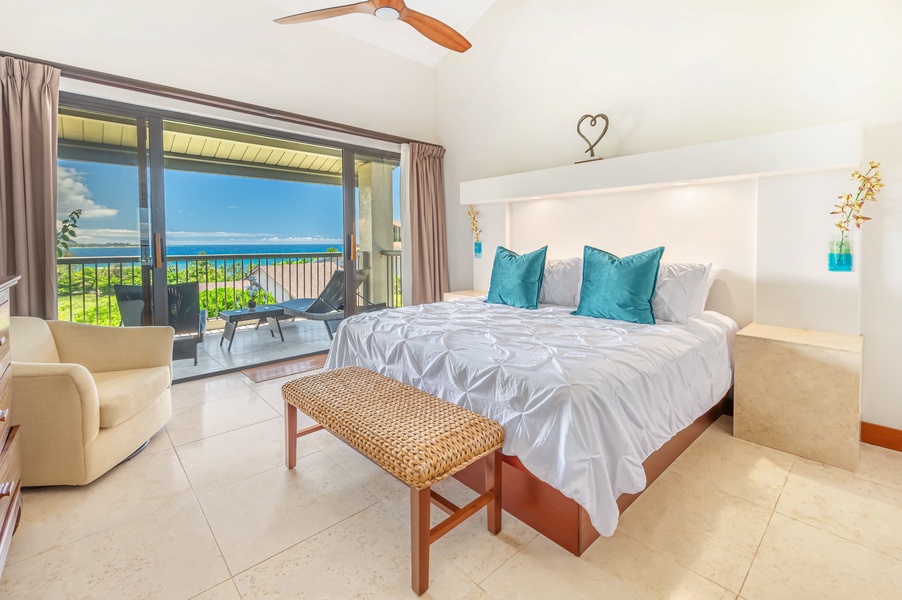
(389, 10)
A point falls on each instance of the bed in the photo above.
(584, 402)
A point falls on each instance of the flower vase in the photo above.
(839, 257)
(251, 304)
(477, 249)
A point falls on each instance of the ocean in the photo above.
(103, 251)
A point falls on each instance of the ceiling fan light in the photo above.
(386, 13)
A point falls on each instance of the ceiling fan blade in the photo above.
(435, 30)
(327, 13)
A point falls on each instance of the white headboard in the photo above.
(714, 223)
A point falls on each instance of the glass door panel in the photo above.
(375, 282)
(251, 221)
(104, 250)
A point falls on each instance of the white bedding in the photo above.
(583, 401)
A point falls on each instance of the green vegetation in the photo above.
(66, 235)
(87, 294)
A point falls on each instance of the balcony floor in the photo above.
(251, 347)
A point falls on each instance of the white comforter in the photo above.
(583, 401)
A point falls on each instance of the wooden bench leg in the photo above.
(493, 466)
(420, 501)
(291, 435)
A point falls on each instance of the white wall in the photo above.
(229, 48)
(669, 73)
(697, 223)
(673, 73)
(881, 273)
(794, 287)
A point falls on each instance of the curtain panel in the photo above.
(428, 239)
(29, 105)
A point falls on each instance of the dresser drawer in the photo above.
(6, 397)
(4, 335)
(10, 471)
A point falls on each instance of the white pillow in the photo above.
(676, 290)
(704, 288)
(561, 282)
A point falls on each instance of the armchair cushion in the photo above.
(123, 394)
(34, 341)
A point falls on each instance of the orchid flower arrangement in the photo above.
(253, 288)
(474, 222)
(851, 208)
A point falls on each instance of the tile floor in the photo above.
(209, 511)
(252, 346)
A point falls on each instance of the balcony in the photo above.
(86, 295)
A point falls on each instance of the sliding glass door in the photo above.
(374, 282)
(104, 249)
(252, 245)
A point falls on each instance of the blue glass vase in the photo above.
(477, 249)
(839, 257)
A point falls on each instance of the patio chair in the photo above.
(185, 315)
(329, 306)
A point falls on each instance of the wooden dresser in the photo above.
(10, 460)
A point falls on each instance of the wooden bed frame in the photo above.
(560, 518)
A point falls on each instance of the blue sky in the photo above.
(202, 208)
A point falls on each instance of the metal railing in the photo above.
(86, 284)
(393, 274)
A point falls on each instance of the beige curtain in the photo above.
(428, 242)
(29, 104)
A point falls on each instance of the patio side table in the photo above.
(269, 313)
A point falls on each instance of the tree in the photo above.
(66, 234)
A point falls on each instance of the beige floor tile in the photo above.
(158, 443)
(366, 556)
(469, 546)
(271, 391)
(224, 591)
(204, 390)
(479, 594)
(616, 567)
(749, 471)
(704, 529)
(879, 465)
(223, 459)
(839, 502)
(201, 421)
(55, 516)
(799, 561)
(372, 477)
(169, 553)
(263, 515)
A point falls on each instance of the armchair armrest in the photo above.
(58, 401)
(102, 349)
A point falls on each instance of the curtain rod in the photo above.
(165, 91)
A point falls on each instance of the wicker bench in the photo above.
(416, 437)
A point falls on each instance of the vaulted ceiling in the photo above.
(394, 36)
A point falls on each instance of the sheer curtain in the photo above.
(428, 242)
(29, 105)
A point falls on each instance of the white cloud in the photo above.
(72, 193)
(107, 236)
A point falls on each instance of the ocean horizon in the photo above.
(208, 249)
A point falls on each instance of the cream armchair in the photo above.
(87, 397)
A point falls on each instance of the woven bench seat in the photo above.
(418, 438)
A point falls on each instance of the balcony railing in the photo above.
(86, 284)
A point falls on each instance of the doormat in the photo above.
(289, 367)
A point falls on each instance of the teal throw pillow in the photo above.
(619, 288)
(517, 279)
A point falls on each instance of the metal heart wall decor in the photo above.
(593, 122)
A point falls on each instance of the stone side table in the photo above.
(799, 391)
